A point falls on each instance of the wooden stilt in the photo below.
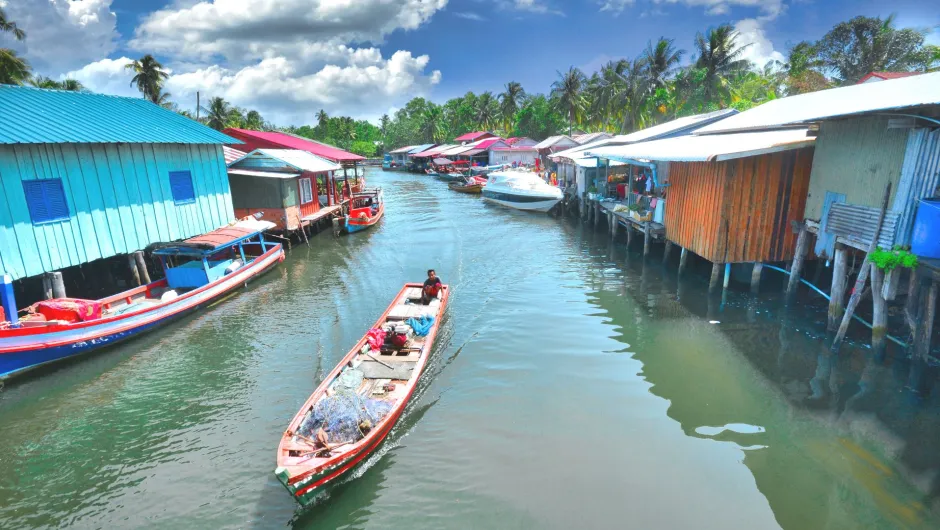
(755, 277)
(142, 267)
(837, 291)
(47, 286)
(797, 268)
(910, 305)
(683, 258)
(666, 251)
(925, 324)
(716, 277)
(614, 224)
(879, 319)
(132, 265)
(629, 233)
(646, 239)
(597, 215)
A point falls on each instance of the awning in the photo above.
(708, 148)
(472, 152)
(454, 151)
(593, 162)
(442, 161)
(265, 174)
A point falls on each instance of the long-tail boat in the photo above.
(371, 385)
(366, 209)
(198, 271)
(469, 185)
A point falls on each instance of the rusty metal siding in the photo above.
(920, 176)
(856, 157)
(739, 210)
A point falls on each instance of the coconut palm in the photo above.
(347, 130)
(487, 109)
(14, 70)
(661, 62)
(634, 98)
(149, 76)
(253, 120)
(383, 124)
(322, 118)
(47, 82)
(218, 113)
(6, 26)
(432, 124)
(721, 58)
(568, 93)
(163, 99)
(510, 101)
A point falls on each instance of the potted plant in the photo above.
(592, 193)
(889, 261)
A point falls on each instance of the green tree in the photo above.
(149, 76)
(567, 90)
(869, 44)
(8, 26)
(803, 69)
(661, 62)
(14, 70)
(721, 58)
(254, 121)
(509, 102)
(487, 111)
(538, 118)
(432, 124)
(218, 113)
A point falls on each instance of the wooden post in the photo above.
(716, 275)
(683, 257)
(910, 305)
(614, 224)
(837, 292)
(47, 286)
(925, 323)
(142, 267)
(132, 265)
(666, 251)
(755, 277)
(646, 239)
(629, 229)
(58, 285)
(797, 268)
(597, 214)
(879, 319)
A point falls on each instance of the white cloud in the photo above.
(107, 76)
(469, 16)
(770, 9)
(759, 48)
(540, 7)
(616, 6)
(62, 35)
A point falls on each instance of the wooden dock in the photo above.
(324, 213)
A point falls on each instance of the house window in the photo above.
(306, 191)
(46, 200)
(181, 185)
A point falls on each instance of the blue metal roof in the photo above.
(42, 116)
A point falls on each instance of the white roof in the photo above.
(593, 162)
(453, 151)
(401, 150)
(295, 158)
(553, 140)
(891, 94)
(265, 174)
(708, 148)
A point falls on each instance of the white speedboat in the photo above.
(521, 189)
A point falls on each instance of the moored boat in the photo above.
(358, 403)
(366, 209)
(522, 190)
(469, 185)
(198, 271)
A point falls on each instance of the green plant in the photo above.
(888, 260)
(635, 207)
(592, 189)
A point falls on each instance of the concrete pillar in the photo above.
(53, 285)
(879, 320)
(683, 258)
(646, 239)
(715, 278)
(755, 277)
(837, 291)
(666, 251)
(797, 268)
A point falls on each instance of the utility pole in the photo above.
(197, 105)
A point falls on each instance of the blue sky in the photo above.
(289, 58)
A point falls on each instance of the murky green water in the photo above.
(573, 385)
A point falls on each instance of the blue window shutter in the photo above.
(45, 199)
(181, 185)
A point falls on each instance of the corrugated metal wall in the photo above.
(739, 210)
(119, 199)
(920, 176)
(856, 157)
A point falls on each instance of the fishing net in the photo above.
(342, 413)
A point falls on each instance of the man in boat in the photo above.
(432, 288)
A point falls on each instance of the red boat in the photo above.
(366, 209)
(359, 402)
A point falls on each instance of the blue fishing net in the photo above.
(341, 414)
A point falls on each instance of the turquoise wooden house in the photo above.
(87, 176)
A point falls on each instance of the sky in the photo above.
(290, 58)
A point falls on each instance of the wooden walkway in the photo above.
(325, 212)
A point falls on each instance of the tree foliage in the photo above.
(869, 44)
(149, 77)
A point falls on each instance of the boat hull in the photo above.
(521, 202)
(25, 349)
(473, 188)
(354, 225)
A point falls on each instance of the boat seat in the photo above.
(413, 293)
(406, 311)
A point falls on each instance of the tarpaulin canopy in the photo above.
(442, 161)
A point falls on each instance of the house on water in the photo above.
(289, 187)
(471, 137)
(350, 172)
(88, 176)
(400, 158)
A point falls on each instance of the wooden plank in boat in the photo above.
(374, 370)
(406, 311)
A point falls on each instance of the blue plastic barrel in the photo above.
(925, 242)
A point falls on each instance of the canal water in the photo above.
(574, 384)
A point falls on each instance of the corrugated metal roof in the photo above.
(708, 148)
(419, 148)
(232, 154)
(41, 116)
(591, 137)
(265, 174)
(434, 150)
(279, 140)
(875, 76)
(470, 136)
(515, 148)
(487, 143)
(295, 158)
(552, 140)
(593, 162)
(400, 150)
(454, 151)
(893, 94)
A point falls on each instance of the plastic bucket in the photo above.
(925, 241)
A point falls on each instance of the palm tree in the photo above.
(14, 70)
(720, 57)
(510, 101)
(568, 92)
(163, 99)
(218, 113)
(253, 120)
(47, 82)
(322, 118)
(347, 130)
(432, 124)
(486, 110)
(72, 85)
(383, 124)
(148, 76)
(635, 95)
(6, 26)
(661, 62)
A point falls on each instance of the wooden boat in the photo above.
(469, 185)
(366, 208)
(198, 271)
(302, 465)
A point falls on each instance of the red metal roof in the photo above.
(484, 144)
(276, 140)
(472, 136)
(220, 237)
(516, 148)
(887, 75)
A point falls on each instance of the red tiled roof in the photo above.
(887, 75)
(275, 140)
(471, 136)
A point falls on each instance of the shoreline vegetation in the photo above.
(625, 95)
